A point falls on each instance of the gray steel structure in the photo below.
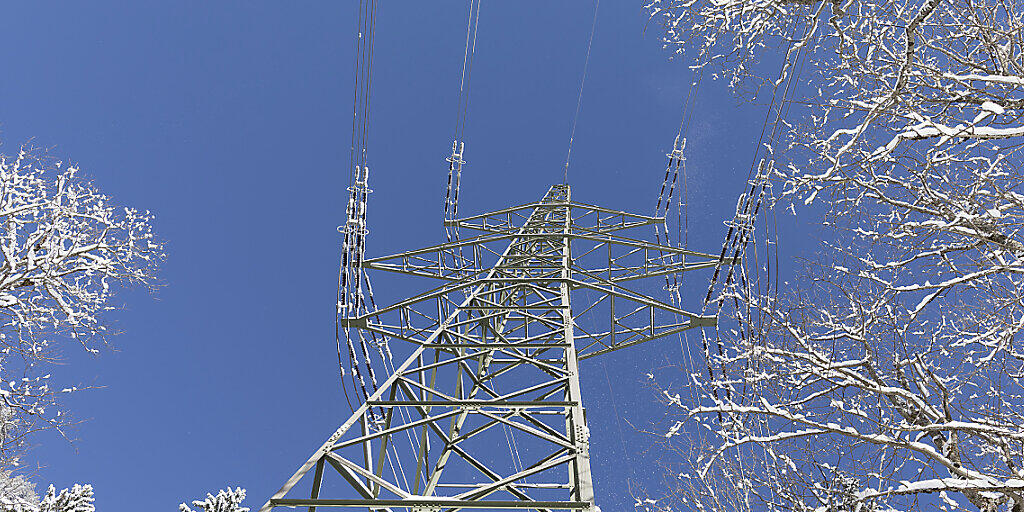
(496, 350)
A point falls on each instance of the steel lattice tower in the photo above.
(496, 349)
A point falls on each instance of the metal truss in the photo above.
(494, 363)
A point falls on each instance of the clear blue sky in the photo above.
(230, 121)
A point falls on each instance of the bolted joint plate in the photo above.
(357, 323)
(704, 321)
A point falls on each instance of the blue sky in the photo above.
(230, 121)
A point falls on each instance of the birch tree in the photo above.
(889, 375)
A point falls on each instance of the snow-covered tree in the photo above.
(225, 501)
(890, 376)
(77, 499)
(66, 248)
(16, 491)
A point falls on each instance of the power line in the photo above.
(351, 297)
(579, 97)
(455, 160)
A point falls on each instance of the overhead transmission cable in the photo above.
(677, 160)
(455, 160)
(355, 286)
(354, 290)
(683, 212)
(745, 235)
(343, 263)
(748, 206)
(787, 76)
(579, 96)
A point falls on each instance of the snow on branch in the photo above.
(229, 500)
(65, 250)
(78, 498)
(63, 245)
(890, 374)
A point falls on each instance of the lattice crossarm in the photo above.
(432, 261)
(606, 220)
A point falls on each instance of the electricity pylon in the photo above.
(494, 363)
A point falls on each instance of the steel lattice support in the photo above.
(495, 362)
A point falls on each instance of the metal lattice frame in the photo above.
(496, 349)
